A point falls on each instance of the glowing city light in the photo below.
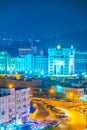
(58, 47)
(10, 86)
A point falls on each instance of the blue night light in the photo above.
(42, 72)
(58, 47)
(85, 98)
(59, 89)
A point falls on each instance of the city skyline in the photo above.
(43, 64)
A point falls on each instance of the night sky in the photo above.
(24, 19)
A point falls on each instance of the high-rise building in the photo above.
(61, 60)
(7, 104)
(22, 104)
(14, 104)
(81, 62)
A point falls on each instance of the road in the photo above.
(77, 120)
(42, 113)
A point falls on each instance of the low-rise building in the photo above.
(74, 93)
(29, 64)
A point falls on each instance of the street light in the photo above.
(70, 95)
(52, 91)
(34, 105)
(10, 86)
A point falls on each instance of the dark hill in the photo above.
(77, 39)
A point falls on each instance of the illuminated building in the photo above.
(81, 62)
(12, 64)
(14, 104)
(19, 64)
(59, 89)
(4, 61)
(22, 63)
(30, 64)
(15, 64)
(41, 65)
(61, 60)
(74, 93)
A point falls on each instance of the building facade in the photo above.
(30, 64)
(4, 61)
(32, 49)
(24, 51)
(14, 105)
(74, 93)
(41, 65)
(22, 104)
(61, 60)
(81, 62)
(7, 105)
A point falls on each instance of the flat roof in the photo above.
(5, 94)
(18, 88)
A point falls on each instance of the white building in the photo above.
(61, 60)
(33, 49)
(7, 105)
(4, 61)
(4, 108)
(24, 51)
(22, 104)
(14, 104)
(81, 62)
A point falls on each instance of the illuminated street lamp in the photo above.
(10, 86)
(58, 47)
(34, 105)
(51, 91)
(70, 95)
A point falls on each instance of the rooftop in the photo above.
(4, 94)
